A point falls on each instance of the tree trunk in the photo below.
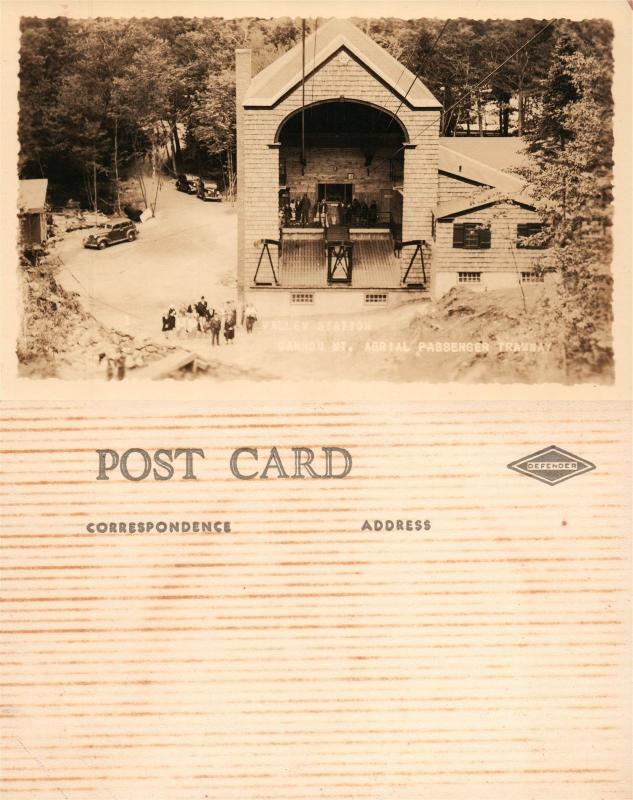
(94, 172)
(117, 194)
(157, 183)
(174, 165)
(87, 186)
(141, 184)
(521, 120)
(229, 175)
(480, 117)
(174, 132)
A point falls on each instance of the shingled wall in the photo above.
(501, 265)
(342, 77)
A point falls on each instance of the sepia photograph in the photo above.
(322, 198)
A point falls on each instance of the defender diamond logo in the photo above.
(552, 465)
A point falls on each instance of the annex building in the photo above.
(349, 197)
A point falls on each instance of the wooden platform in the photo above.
(303, 261)
(170, 365)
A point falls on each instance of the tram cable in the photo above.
(480, 83)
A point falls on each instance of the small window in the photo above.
(532, 277)
(471, 235)
(528, 229)
(375, 298)
(469, 277)
(302, 297)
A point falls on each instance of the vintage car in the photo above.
(187, 183)
(113, 232)
(208, 190)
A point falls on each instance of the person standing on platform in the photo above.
(305, 210)
(355, 211)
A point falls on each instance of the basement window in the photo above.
(532, 277)
(302, 298)
(373, 299)
(469, 277)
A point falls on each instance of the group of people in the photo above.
(325, 213)
(193, 318)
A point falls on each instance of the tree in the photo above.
(571, 175)
(47, 48)
(283, 35)
(212, 121)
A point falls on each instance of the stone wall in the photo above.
(334, 166)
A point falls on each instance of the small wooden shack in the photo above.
(32, 214)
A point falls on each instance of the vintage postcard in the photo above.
(315, 400)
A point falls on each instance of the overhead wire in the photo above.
(481, 82)
(419, 72)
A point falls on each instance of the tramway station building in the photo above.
(348, 196)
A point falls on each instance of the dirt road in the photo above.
(187, 251)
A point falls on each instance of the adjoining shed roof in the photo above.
(471, 169)
(500, 152)
(32, 195)
(462, 205)
(283, 75)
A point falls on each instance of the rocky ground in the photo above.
(58, 338)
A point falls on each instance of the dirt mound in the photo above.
(59, 339)
(501, 336)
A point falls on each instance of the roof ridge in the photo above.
(483, 198)
(477, 165)
(477, 161)
(282, 75)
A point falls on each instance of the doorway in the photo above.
(336, 192)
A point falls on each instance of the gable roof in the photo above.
(471, 169)
(32, 195)
(283, 75)
(500, 152)
(462, 205)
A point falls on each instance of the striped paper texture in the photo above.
(299, 656)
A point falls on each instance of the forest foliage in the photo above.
(98, 96)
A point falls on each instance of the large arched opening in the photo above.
(353, 158)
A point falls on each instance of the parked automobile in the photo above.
(113, 232)
(187, 183)
(208, 191)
